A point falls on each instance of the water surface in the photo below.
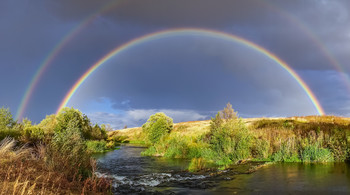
(134, 174)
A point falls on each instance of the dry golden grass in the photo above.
(24, 171)
(197, 128)
(191, 128)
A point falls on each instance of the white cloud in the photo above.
(136, 117)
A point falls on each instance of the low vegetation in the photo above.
(228, 139)
(53, 157)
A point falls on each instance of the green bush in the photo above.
(95, 146)
(98, 133)
(151, 151)
(288, 152)
(69, 116)
(314, 153)
(33, 134)
(197, 164)
(67, 153)
(261, 149)
(6, 120)
(8, 127)
(157, 126)
(177, 148)
(229, 137)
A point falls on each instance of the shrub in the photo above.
(177, 148)
(70, 116)
(48, 124)
(261, 148)
(197, 164)
(95, 146)
(229, 137)
(288, 152)
(33, 134)
(315, 153)
(157, 126)
(151, 151)
(6, 120)
(67, 153)
(8, 127)
(98, 133)
(98, 146)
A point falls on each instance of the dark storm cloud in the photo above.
(27, 33)
(276, 25)
(163, 12)
(31, 29)
(193, 73)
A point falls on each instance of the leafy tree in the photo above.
(26, 123)
(226, 115)
(106, 127)
(157, 126)
(76, 120)
(67, 151)
(33, 134)
(48, 124)
(6, 120)
(8, 127)
(229, 137)
(98, 133)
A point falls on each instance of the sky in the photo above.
(47, 46)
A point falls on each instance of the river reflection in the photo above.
(292, 178)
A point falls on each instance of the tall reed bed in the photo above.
(25, 170)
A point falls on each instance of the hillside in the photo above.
(197, 128)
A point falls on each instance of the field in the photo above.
(295, 139)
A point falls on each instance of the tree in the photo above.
(98, 132)
(6, 120)
(157, 126)
(74, 119)
(48, 124)
(229, 137)
(226, 115)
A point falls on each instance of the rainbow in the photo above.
(71, 34)
(327, 54)
(185, 31)
(54, 53)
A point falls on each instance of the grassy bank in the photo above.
(225, 141)
(52, 157)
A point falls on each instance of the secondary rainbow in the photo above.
(76, 30)
(321, 46)
(186, 31)
(54, 53)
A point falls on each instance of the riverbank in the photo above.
(52, 157)
(308, 139)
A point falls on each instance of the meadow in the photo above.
(225, 141)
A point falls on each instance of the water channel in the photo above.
(135, 174)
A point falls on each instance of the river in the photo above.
(135, 174)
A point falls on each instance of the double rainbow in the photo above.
(186, 31)
(110, 5)
(55, 52)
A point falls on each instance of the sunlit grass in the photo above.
(24, 170)
(295, 139)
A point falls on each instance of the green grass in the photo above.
(308, 139)
(100, 146)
